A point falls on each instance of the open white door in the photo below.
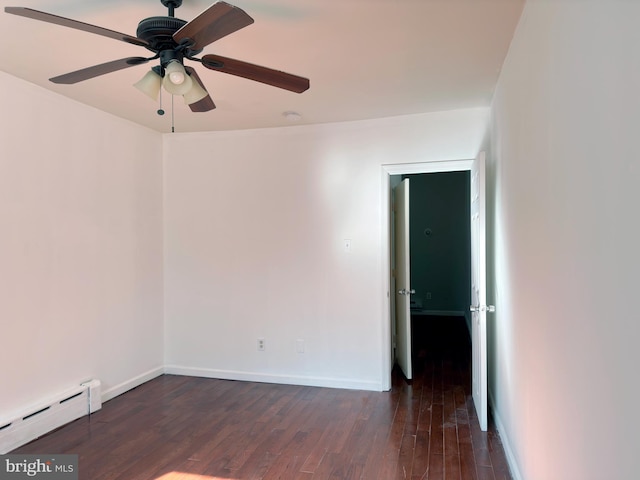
(403, 279)
(479, 306)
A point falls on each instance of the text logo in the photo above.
(49, 467)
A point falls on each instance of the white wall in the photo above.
(254, 225)
(80, 248)
(564, 163)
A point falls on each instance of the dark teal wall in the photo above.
(441, 259)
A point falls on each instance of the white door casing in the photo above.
(479, 339)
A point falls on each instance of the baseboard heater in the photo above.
(50, 414)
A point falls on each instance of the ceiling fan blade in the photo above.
(218, 21)
(67, 22)
(206, 103)
(266, 75)
(97, 70)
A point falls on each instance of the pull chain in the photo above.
(160, 110)
(173, 129)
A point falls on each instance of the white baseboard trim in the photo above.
(344, 383)
(131, 383)
(506, 443)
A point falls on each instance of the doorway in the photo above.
(440, 262)
(388, 171)
(478, 269)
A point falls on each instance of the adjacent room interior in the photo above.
(440, 256)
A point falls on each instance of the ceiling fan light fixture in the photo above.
(176, 81)
(150, 84)
(195, 94)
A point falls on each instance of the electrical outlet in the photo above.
(261, 344)
(300, 345)
(428, 295)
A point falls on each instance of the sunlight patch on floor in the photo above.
(188, 476)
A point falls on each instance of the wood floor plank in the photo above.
(421, 455)
(285, 466)
(437, 429)
(436, 466)
(468, 468)
(374, 460)
(452, 467)
(404, 467)
(485, 473)
(333, 465)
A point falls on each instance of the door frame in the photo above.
(437, 166)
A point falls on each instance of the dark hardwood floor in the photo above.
(187, 428)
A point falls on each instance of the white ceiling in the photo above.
(365, 58)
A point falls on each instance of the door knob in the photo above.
(482, 308)
(404, 291)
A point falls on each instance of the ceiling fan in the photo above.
(173, 40)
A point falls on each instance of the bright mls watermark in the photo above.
(50, 467)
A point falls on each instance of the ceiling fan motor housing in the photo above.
(158, 32)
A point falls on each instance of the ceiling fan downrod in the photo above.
(171, 5)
